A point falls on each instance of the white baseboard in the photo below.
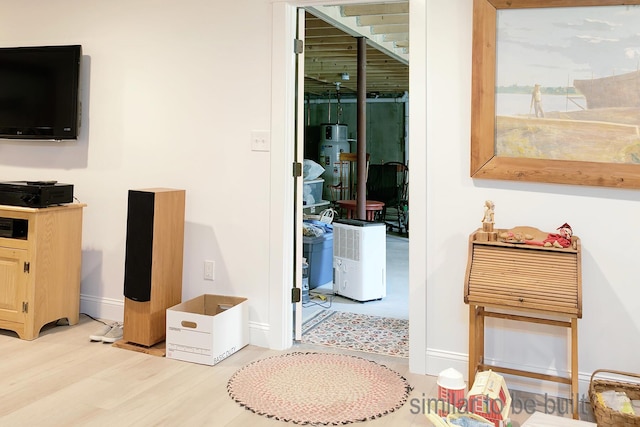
(259, 334)
(102, 308)
(439, 360)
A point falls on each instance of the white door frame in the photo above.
(299, 131)
(282, 235)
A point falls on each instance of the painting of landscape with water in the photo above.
(568, 84)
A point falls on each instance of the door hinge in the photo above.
(298, 46)
(25, 306)
(27, 266)
(297, 169)
(296, 295)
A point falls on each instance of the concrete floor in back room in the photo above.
(395, 304)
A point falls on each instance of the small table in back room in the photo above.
(372, 206)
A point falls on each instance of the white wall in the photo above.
(605, 219)
(171, 94)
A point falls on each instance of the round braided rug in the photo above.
(318, 388)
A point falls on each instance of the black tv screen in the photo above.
(39, 88)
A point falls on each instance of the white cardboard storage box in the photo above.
(207, 329)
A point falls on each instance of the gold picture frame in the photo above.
(485, 163)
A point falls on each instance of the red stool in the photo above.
(371, 207)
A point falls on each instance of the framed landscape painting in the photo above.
(556, 91)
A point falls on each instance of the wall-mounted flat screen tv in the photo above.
(39, 91)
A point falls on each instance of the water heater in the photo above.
(333, 141)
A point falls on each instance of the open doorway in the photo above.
(330, 102)
(282, 185)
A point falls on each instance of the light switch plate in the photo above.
(260, 140)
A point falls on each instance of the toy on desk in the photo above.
(488, 212)
(562, 239)
(565, 231)
(487, 223)
(515, 237)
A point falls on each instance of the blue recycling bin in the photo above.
(319, 254)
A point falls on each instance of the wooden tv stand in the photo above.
(521, 277)
(40, 259)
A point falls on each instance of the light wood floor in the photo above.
(63, 379)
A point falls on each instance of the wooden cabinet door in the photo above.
(13, 284)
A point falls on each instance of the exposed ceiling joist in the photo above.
(345, 18)
(331, 48)
(376, 9)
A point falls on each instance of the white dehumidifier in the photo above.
(359, 259)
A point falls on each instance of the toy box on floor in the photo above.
(207, 329)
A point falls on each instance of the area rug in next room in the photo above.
(358, 332)
(318, 388)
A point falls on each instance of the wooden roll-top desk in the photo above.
(525, 282)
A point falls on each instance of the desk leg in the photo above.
(472, 345)
(480, 334)
(574, 367)
(476, 340)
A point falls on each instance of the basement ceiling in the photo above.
(331, 49)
